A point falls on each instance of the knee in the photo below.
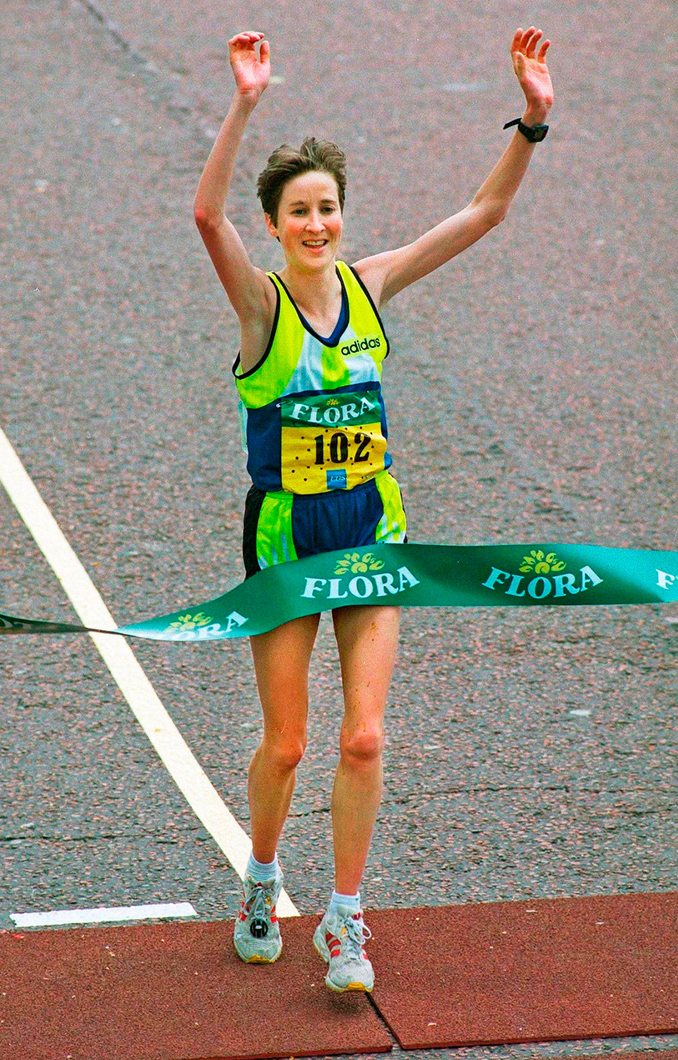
(283, 756)
(362, 746)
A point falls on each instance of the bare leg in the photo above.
(281, 660)
(367, 638)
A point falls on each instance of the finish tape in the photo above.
(409, 575)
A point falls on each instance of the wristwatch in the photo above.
(534, 133)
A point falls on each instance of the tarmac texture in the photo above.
(531, 395)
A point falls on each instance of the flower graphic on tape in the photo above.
(540, 563)
(354, 563)
(332, 401)
(188, 622)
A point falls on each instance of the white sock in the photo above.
(261, 871)
(349, 901)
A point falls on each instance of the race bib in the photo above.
(331, 441)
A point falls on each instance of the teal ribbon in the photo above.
(410, 576)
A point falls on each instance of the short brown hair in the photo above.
(286, 162)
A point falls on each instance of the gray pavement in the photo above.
(532, 396)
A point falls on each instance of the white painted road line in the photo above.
(131, 679)
(104, 914)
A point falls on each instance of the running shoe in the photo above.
(257, 933)
(340, 940)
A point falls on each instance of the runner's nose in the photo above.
(315, 223)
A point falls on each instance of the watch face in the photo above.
(539, 132)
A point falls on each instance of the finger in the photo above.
(246, 38)
(532, 45)
(265, 52)
(524, 40)
(543, 50)
(241, 42)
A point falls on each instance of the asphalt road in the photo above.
(532, 396)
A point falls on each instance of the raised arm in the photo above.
(386, 274)
(245, 285)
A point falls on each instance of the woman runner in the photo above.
(308, 373)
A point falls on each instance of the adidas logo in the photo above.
(370, 342)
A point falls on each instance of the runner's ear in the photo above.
(271, 227)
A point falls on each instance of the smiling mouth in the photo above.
(315, 242)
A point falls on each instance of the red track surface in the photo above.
(446, 976)
(495, 972)
(173, 992)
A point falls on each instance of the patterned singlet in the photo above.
(314, 429)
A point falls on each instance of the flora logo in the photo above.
(188, 623)
(364, 584)
(664, 579)
(357, 564)
(538, 563)
(329, 412)
(542, 564)
(202, 627)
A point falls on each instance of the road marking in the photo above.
(103, 914)
(129, 676)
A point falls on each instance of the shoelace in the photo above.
(256, 906)
(357, 933)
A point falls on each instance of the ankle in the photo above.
(348, 901)
(261, 871)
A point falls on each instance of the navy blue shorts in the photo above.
(283, 526)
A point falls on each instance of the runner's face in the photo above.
(309, 219)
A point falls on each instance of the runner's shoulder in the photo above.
(373, 272)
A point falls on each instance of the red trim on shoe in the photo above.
(333, 944)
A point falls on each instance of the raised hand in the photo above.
(532, 71)
(251, 70)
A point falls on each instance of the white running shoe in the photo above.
(257, 933)
(340, 940)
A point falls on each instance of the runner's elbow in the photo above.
(491, 213)
(500, 215)
(206, 218)
(494, 214)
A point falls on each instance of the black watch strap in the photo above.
(534, 133)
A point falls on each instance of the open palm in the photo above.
(530, 67)
(252, 71)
